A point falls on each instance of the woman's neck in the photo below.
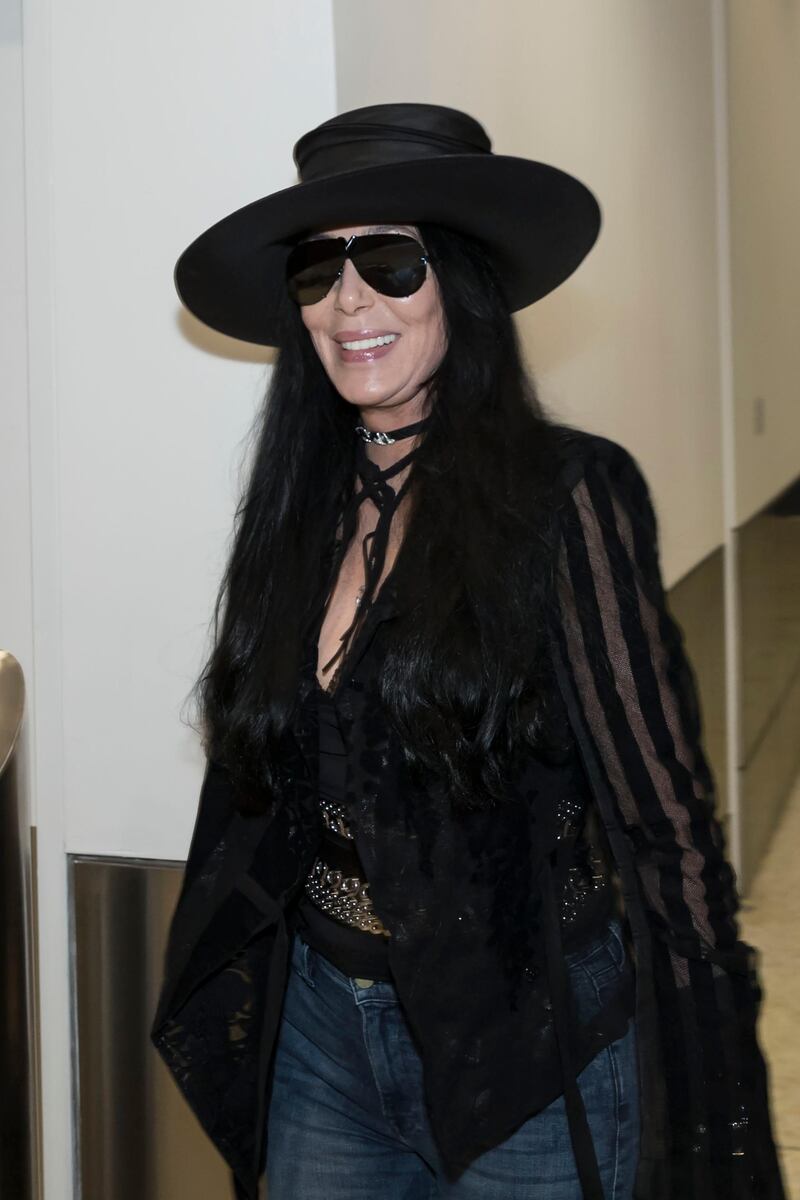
(385, 421)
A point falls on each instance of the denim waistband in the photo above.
(316, 968)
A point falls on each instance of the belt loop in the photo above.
(307, 961)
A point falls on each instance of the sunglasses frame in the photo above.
(349, 249)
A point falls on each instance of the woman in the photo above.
(456, 919)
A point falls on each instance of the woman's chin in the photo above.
(368, 395)
(364, 400)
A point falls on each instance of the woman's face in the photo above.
(391, 376)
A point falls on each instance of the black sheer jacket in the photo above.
(473, 903)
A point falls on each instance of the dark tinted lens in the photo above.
(391, 263)
(312, 268)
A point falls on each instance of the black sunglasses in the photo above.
(394, 264)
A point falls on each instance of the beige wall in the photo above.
(621, 94)
(764, 102)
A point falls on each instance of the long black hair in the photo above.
(463, 677)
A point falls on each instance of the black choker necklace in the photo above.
(397, 435)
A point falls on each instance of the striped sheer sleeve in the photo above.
(639, 702)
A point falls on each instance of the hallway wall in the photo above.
(764, 106)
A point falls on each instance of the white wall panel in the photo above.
(16, 622)
(143, 124)
(164, 117)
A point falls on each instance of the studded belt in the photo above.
(343, 897)
(336, 884)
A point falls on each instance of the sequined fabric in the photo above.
(335, 818)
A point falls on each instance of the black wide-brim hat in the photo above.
(404, 163)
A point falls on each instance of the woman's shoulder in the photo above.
(601, 463)
(576, 448)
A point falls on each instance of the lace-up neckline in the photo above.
(375, 485)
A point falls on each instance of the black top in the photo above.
(354, 951)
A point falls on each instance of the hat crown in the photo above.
(387, 133)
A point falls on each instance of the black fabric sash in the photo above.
(580, 1134)
(653, 1172)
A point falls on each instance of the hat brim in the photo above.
(537, 222)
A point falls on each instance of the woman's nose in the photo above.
(352, 292)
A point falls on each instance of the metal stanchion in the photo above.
(18, 1173)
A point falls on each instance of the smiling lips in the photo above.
(364, 345)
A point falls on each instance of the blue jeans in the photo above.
(347, 1118)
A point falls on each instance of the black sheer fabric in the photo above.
(634, 707)
(473, 903)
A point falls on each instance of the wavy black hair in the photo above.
(463, 679)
